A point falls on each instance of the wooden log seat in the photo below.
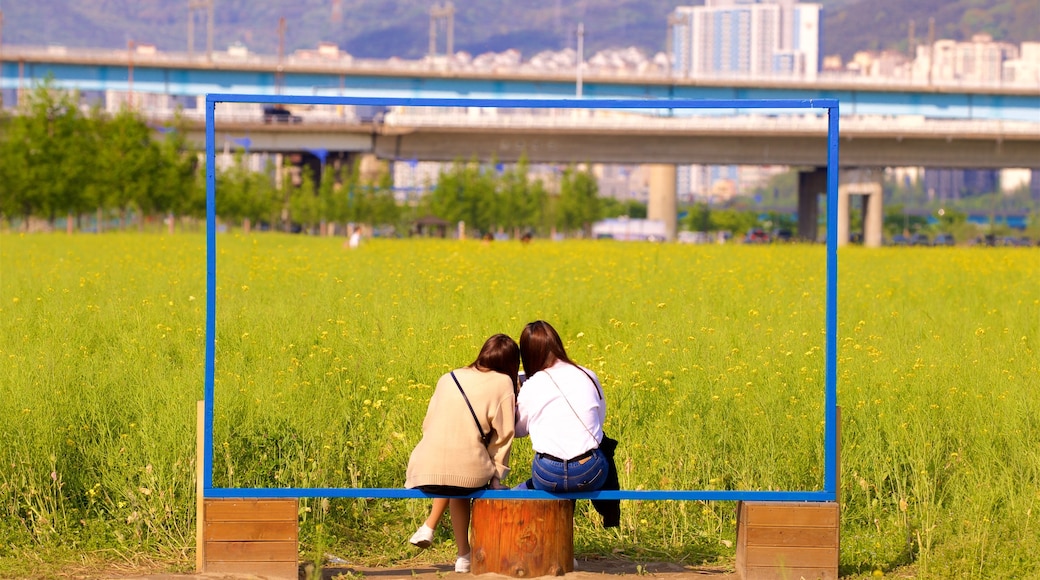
(522, 538)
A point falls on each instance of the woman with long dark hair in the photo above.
(467, 439)
(561, 407)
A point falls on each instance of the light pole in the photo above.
(1, 54)
(443, 13)
(278, 80)
(194, 5)
(581, 54)
(130, 73)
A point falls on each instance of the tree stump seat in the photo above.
(522, 538)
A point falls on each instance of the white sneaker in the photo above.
(462, 564)
(422, 538)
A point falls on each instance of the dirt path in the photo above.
(585, 570)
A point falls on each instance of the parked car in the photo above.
(279, 114)
(900, 240)
(920, 240)
(783, 235)
(1022, 241)
(756, 236)
(371, 113)
(944, 240)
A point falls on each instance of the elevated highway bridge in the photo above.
(573, 136)
(181, 75)
(883, 124)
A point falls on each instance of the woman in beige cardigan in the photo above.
(467, 438)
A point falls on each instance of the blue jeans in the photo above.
(588, 474)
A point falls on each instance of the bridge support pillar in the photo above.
(811, 185)
(865, 183)
(662, 203)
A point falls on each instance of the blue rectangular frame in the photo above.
(830, 479)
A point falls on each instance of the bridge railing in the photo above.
(346, 64)
(577, 119)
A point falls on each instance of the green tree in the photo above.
(451, 199)
(327, 198)
(342, 206)
(736, 221)
(127, 164)
(48, 151)
(579, 201)
(231, 190)
(384, 208)
(304, 207)
(521, 201)
(698, 218)
(898, 220)
(176, 174)
(610, 207)
(260, 202)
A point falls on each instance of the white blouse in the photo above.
(544, 414)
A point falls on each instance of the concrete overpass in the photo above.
(867, 145)
(181, 75)
(572, 136)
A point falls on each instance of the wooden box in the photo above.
(522, 538)
(251, 536)
(787, 540)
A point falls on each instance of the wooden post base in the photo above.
(251, 536)
(784, 540)
(522, 538)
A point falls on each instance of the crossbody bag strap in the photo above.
(483, 437)
(566, 400)
(594, 383)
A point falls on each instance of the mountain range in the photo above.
(388, 28)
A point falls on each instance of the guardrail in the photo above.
(747, 123)
(405, 117)
(346, 64)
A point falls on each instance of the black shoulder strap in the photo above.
(483, 437)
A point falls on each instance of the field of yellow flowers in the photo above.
(712, 359)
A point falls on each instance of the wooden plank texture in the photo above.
(200, 449)
(281, 570)
(773, 573)
(523, 538)
(787, 540)
(792, 556)
(777, 514)
(250, 552)
(243, 510)
(788, 536)
(251, 531)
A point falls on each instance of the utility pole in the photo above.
(931, 49)
(1, 54)
(442, 13)
(581, 54)
(198, 5)
(281, 54)
(911, 49)
(910, 40)
(130, 74)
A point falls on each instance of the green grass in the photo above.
(711, 356)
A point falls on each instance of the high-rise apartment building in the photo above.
(980, 60)
(746, 38)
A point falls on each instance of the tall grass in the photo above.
(711, 356)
